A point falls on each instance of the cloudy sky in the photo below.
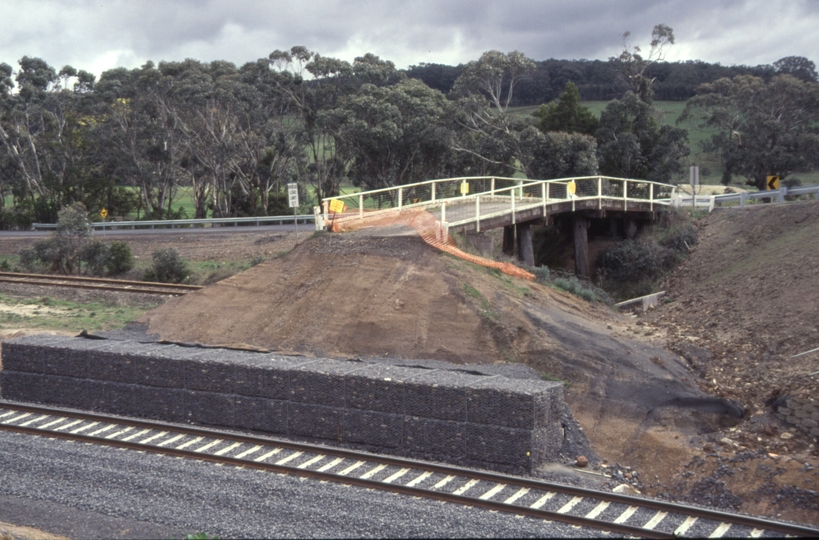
(102, 34)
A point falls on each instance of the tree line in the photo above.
(233, 137)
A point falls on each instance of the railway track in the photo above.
(118, 285)
(517, 495)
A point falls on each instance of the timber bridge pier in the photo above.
(472, 205)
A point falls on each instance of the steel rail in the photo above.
(78, 282)
(104, 280)
(737, 519)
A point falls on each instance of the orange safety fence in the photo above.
(430, 230)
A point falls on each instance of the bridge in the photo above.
(472, 205)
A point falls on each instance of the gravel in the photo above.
(108, 491)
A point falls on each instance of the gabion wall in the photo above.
(437, 414)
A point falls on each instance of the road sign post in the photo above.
(293, 199)
(695, 181)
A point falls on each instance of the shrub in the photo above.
(94, 254)
(120, 258)
(636, 260)
(679, 238)
(167, 267)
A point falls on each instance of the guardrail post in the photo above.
(361, 207)
(400, 197)
(742, 197)
(492, 187)
(599, 192)
(433, 191)
(651, 197)
(477, 214)
(782, 192)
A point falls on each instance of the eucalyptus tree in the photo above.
(143, 118)
(488, 137)
(632, 144)
(495, 75)
(762, 128)
(395, 135)
(313, 85)
(634, 64)
(44, 133)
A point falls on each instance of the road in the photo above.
(306, 228)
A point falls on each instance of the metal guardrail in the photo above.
(460, 200)
(175, 223)
(743, 198)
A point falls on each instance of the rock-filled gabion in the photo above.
(449, 415)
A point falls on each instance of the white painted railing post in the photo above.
(400, 197)
(651, 196)
(599, 192)
(478, 214)
(513, 205)
(625, 195)
(361, 207)
(492, 187)
(433, 191)
(543, 189)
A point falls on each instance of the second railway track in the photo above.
(116, 285)
(522, 496)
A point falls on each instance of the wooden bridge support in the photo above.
(581, 245)
(631, 228)
(526, 250)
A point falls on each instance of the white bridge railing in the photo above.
(458, 201)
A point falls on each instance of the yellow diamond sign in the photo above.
(104, 213)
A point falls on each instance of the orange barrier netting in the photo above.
(430, 230)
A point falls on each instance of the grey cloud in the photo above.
(85, 33)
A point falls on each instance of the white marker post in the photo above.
(293, 198)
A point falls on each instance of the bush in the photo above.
(44, 254)
(570, 283)
(120, 258)
(168, 267)
(94, 254)
(636, 260)
(679, 238)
